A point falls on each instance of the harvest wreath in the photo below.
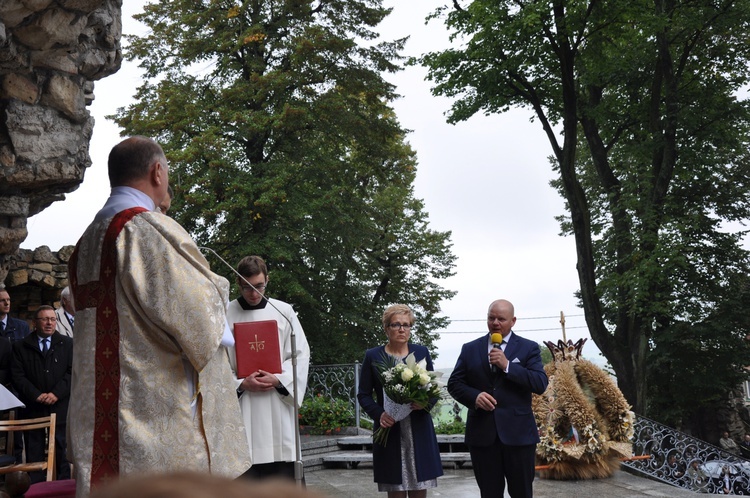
(585, 424)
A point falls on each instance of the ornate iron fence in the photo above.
(682, 460)
(336, 382)
(341, 381)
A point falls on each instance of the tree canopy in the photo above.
(277, 123)
(639, 101)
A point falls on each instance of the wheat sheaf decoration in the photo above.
(585, 424)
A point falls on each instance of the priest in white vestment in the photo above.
(266, 399)
(151, 384)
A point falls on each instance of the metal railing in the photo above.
(684, 461)
(341, 381)
(336, 382)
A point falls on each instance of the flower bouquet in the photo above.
(405, 383)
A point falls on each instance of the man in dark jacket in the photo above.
(40, 370)
(495, 378)
(10, 327)
(11, 330)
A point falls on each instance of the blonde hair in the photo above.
(397, 309)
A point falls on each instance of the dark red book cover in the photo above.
(257, 347)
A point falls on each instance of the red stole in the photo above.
(101, 295)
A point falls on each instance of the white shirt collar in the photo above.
(122, 198)
(505, 341)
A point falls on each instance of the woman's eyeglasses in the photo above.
(396, 326)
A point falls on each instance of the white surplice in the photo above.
(269, 416)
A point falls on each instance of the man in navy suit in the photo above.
(10, 327)
(11, 331)
(495, 384)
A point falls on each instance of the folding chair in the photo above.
(12, 426)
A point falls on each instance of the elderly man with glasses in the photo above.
(41, 368)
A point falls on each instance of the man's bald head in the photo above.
(503, 304)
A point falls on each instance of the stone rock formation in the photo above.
(37, 277)
(51, 52)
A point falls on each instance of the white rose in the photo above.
(406, 375)
(424, 379)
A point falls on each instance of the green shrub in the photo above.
(323, 415)
(450, 427)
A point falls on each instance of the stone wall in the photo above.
(35, 278)
(51, 52)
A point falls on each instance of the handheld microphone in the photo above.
(497, 341)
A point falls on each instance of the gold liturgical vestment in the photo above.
(149, 322)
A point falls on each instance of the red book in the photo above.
(257, 347)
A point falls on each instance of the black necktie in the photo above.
(45, 346)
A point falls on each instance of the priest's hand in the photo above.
(260, 381)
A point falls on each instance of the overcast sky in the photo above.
(486, 180)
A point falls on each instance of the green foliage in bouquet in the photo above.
(408, 381)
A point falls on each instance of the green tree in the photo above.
(546, 354)
(638, 101)
(276, 120)
(693, 365)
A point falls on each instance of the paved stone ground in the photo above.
(460, 484)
